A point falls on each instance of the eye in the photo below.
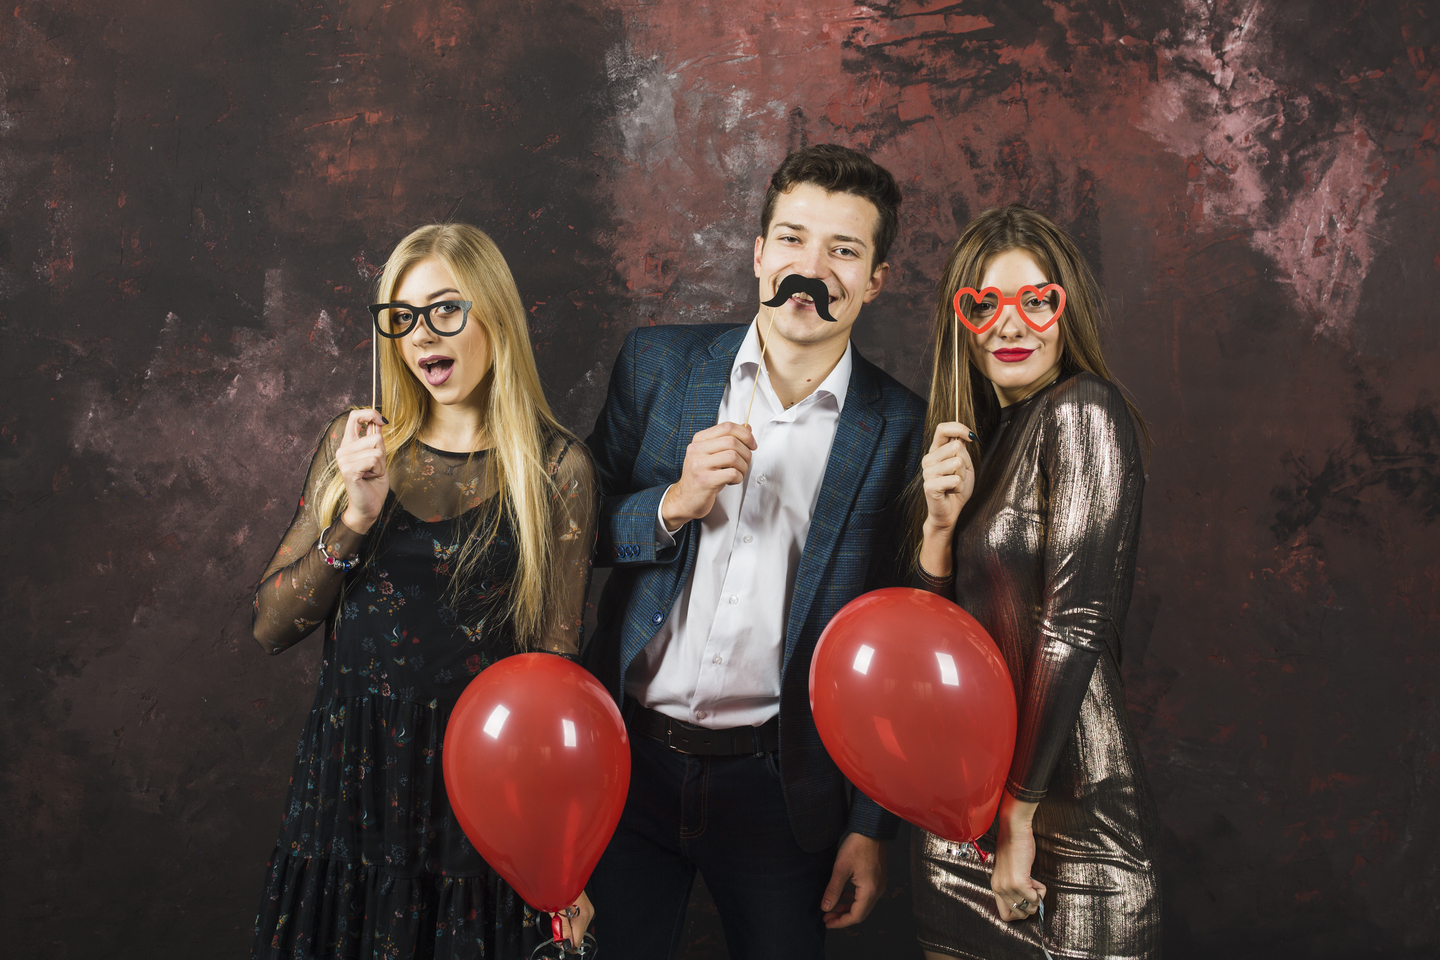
(446, 309)
(984, 307)
(845, 252)
(403, 316)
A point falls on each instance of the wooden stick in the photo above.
(955, 357)
(764, 344)
(374, 382)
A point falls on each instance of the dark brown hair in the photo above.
(839, 169)
(958, 390)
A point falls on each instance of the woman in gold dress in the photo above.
(1031, 517)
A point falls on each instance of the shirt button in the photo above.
(748, 538)
(734, 599)
(717, 659)
(761, 479)
(700, 714)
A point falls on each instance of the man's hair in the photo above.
(839, 169)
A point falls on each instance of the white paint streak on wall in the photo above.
(230, 441)
(706, 115)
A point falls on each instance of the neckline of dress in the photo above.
(452, 453)
(1008, 412)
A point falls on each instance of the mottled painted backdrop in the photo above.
(197, 196)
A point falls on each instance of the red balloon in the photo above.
(537, 766)
(914, 702)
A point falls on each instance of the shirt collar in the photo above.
(747, 366)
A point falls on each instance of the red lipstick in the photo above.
(1011, 355)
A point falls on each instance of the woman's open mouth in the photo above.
(437, 369)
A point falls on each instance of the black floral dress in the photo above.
(370, 861)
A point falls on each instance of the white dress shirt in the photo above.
(716, 660)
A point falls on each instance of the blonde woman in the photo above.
(1031, 518)
(430, 545)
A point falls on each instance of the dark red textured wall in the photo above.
(196, 197)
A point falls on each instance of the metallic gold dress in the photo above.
(1045, 560)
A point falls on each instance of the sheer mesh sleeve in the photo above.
(299, 588)
(574, 519)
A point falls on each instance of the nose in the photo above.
(421, 333)
(1010, 325)
(812, 262)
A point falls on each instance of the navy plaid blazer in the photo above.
(666, 387)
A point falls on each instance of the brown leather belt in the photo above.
(685, 737)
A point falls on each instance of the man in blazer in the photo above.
(750, 477)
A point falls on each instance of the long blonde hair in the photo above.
(517, 417)
(958, 390)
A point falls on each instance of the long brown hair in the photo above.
(958, 389)
(518, 419)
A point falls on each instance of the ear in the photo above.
(877, 282)
(759, 249)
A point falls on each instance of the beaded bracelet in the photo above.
(344, 566)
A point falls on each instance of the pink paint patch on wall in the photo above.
(1217, 105)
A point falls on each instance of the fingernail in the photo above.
(387, 423)
(972, 434)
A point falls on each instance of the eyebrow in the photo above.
(439, 292)
(801, 228)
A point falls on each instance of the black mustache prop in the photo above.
(812, 286)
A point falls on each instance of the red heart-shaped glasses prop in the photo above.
(1017, 301)
(914, 702)
(537, 766)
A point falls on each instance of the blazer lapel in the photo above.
(857, 434)
(706, 388)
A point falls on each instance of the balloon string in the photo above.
(967, 846)
(563, 948)
(763, 345)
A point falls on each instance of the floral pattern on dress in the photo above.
(370, 861)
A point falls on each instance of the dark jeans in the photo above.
(726, 817)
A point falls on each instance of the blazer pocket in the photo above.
(859, 536)
(865, 520)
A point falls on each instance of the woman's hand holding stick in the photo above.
(361, 463)
(949, 476)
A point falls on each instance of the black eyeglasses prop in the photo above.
(445, 318)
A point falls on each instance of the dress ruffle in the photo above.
(330, 909)
(368, 789)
